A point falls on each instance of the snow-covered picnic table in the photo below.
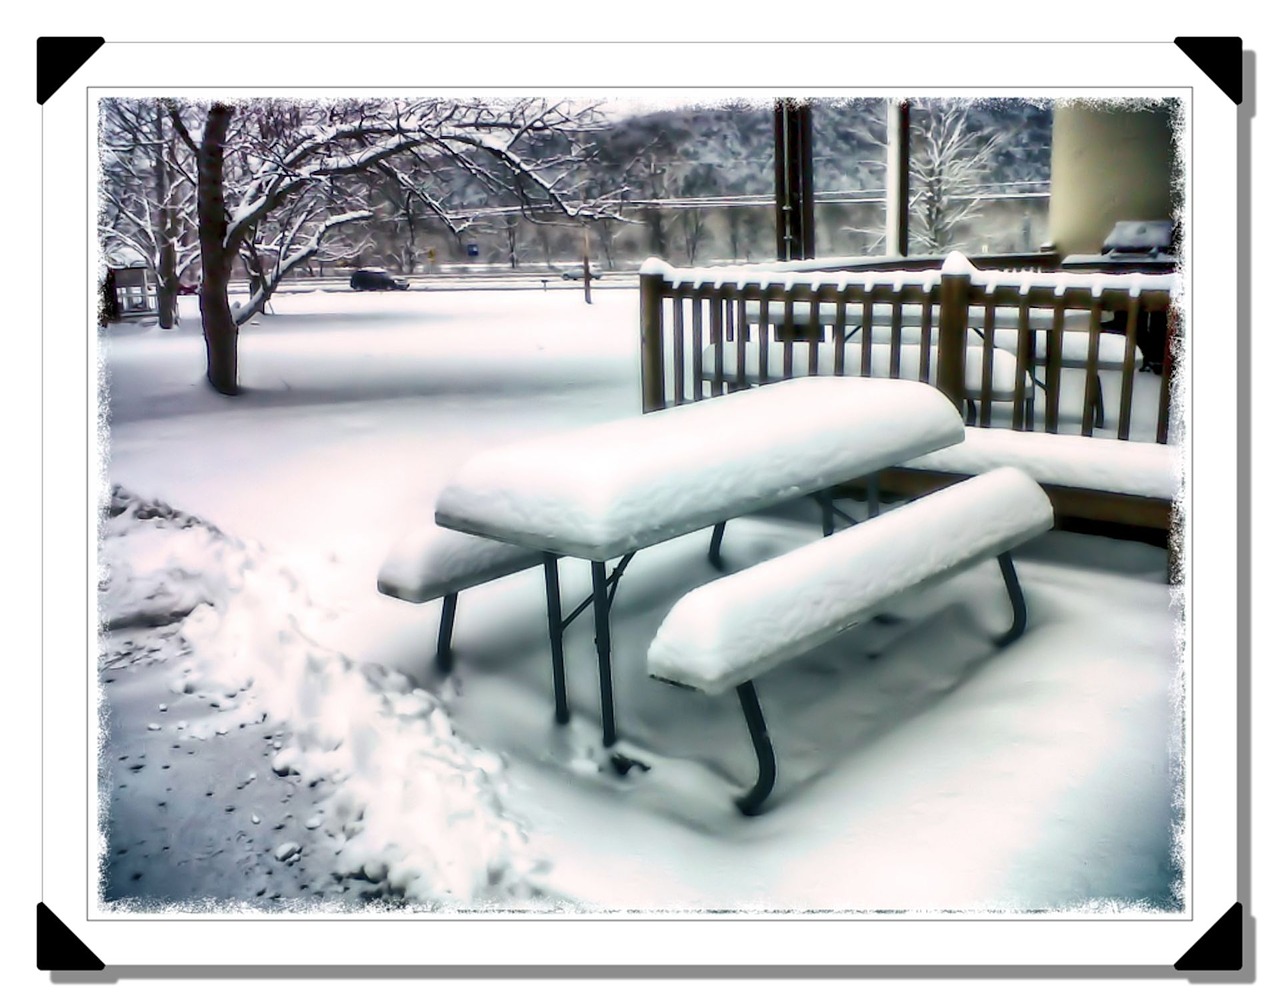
(602, 492)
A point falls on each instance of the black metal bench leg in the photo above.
(444, 651)
(555, 626)
(1015, 598)
(873, 495)
(1099, 419)
(749, 803)
(828, 512)
(600, 594)
(717, 538)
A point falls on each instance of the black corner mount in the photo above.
(1219, 948)
(1220, 57)
(58, 948)
(58, 57)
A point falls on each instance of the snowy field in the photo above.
(274, 733)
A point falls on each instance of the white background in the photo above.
(53, 871)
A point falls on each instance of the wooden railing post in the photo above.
(953, 325)
(652, 373)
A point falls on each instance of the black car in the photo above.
(374, 278)
(575, 273)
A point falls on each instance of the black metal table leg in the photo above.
(555, 626)
(600, 594)
(1016, 599)
(749, 803)
(717, 537)
(444, 651)
(873, 495)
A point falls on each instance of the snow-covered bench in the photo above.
(1133, 468)
(431, 562)
(726, 633)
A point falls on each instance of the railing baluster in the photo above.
(744, 333)
(677, 345)
(988, 361)
(814, 328)
(1053, 367)
(1092, 381)
(837, 334)
(1173, 341)
(1024, 366)
(787, 332)
(716, 307)
(764, 334)
(867, 332)
(696, 352)
(895, 336)
(926, 336)
(1127, 371)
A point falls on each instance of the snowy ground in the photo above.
(274, 733)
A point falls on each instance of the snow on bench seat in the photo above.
(431, 562)
(604, 491)
(1004, 366)
(731, 630)
(1075, 348)
(1071, 460)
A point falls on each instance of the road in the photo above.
(455, 281)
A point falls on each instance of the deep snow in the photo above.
(920, 768)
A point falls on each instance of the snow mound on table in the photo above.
(411, 805)
(603, 490)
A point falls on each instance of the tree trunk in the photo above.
(166, 254)
(220, 330)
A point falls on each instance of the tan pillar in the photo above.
(1110, 163)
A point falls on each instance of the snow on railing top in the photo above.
(717, 277)
(956, 263)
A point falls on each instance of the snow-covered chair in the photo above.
(724, 634)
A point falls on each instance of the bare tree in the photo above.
(949, 161)
(276, 184)
(146, 194)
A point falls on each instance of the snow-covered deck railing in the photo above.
(701, 336)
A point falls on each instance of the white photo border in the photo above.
(71, 476)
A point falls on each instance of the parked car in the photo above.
(188, 288)
(575, 273)
(373, 278)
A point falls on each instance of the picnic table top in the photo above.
(605, 490)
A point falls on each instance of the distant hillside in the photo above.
(729, 149)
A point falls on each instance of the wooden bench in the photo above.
(431, 563)
(727, 633)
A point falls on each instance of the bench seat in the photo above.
(1004, 366)
(740, 626)
(431, 562)
(1137, 468)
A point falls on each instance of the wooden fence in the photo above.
(1021, 349)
